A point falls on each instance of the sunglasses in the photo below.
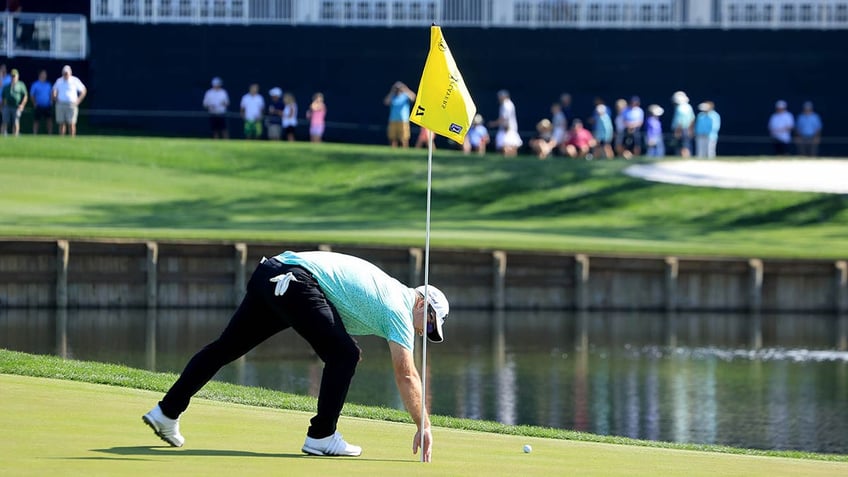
(431, 319)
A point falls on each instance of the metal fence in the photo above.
(627, 14)
(43, 35)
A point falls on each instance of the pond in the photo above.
(766, 382)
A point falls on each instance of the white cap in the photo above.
(439, 303)
(66, 69)
(275, 92)
(216, 81)
(656, 110)
(679, 97)
(705, 106)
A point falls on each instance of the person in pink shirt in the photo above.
(316, 113)
(579, 142)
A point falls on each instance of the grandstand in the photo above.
(743, 54)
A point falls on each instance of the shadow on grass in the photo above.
(138, 452)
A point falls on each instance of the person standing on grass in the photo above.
(252, 104)
(634, 117)
(14, 99)
(653, 132)
(507, 139)
(399, 100)
(603, 132)
(317, 114)
(707, 126)
(274, 118)
(808, 128)
(289, 116)
(68, 93)
(780, 126)
(42, 101)
(216, 101)
(683, 123)
(325, 297)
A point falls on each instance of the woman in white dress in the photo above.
(507, 139)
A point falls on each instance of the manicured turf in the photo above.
(56, 427)
(176, 188)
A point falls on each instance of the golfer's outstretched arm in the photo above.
(409, 384)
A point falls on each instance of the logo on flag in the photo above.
(442, 92)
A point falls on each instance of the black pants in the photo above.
(261, 315)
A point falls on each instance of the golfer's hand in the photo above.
(427, 451)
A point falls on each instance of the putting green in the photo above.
(55, 427)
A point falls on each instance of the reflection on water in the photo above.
(773, 382)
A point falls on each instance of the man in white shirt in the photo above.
(216, 100)
(68, 93)
(780, 127)
(252, 105)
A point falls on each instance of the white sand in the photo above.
(821, 175)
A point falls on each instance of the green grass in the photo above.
(87, 422)
(337, 193)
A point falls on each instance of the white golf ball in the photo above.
(527, 449)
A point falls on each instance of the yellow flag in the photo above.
(443, 104)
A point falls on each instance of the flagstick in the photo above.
(426, 285)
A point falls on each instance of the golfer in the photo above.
(326, 297)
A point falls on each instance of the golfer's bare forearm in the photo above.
(410, 392)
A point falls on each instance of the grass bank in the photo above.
(49, 367)
(338, 193)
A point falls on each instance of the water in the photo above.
(768, 382)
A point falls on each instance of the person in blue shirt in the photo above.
(653, 133)
(41, 95)
(808, 126)
(399, 100)
(326, 298)
(682, 123)
(707, 125)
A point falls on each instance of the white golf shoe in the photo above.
(166, 428)
(331, 445)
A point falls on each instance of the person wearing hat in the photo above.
(477, 138)
(68, 93)
(808, 128)
(216, 101)
(327, 298)
(780, 126)
(274, 118)
(14, 99)
(707, 125)
(653, 132)
(683, 123)
(634, 117)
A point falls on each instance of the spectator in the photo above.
(42, 102)
(5, 79)
(477, 138)
(274, 118)
(780, 128)
(707, 125)
(317, 114)
(603, 132)
(289, 116)
(808, 128)
(252, 104)
(682, 123)
(507, 138)
(216, 101)
(399, 100)
(634, 117)
(423, 137)
(544, 143)
(14, 99)
(620, 128)
(565, 103)
(68, 93)
(653, 132)
(559, 123)
(579, 142)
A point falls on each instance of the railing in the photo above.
(784, 14)
(727, 14)
(43, 35)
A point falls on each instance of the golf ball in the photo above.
(527, 448)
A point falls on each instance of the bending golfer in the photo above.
(326, 297)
